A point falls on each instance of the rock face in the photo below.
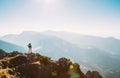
(17, 65)
(93, 74)
(2, 54)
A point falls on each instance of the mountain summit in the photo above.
(18, 65)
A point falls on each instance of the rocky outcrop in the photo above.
(2, 54)
(18, 65)
(93, 74)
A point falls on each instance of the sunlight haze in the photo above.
(92, 17)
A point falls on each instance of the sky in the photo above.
(91, 17)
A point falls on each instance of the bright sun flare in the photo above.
(47, 1)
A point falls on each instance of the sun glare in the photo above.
(50, 1)
(46, 1)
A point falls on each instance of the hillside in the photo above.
(18, 65)
(9, 47)
(109, 44)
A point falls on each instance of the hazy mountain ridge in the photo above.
(9, 47)
(96, 53)
(18, 65)
(108, 44)
(47, 45)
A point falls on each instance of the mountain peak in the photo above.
(29, 32)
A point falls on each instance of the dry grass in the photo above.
(7, 73)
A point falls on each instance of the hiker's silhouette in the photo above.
(29, 48)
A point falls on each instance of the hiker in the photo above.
(29, 48)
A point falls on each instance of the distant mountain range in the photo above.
(101, 54)
(110, 44)
(9, 47)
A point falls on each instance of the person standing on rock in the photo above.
(29, 48)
